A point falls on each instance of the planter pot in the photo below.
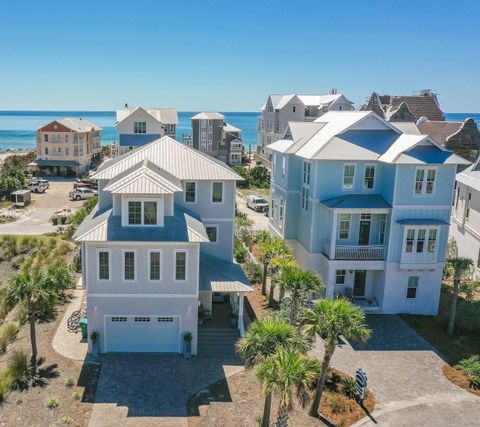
(95, 349)
(188, 349)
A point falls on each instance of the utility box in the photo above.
(21, 198)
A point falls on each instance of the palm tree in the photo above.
(59, 277)
(31, 289)
(277, 265)
(299, 283)
(330, 319)
(262, 339)
(269, 248)
(460, 268)
(285, 372)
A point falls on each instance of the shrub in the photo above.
(471, 368)
(52, 403)
(67, 419)
(69, 382)
(349, 387)
(20, 314)
(76, 395)
(8, 331)
(19, 370)
(239, 251)
(468, 317)
(336, 403)
(253, 271)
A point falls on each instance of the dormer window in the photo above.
(137, 212)
(139, 127)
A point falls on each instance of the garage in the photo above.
(143, 334)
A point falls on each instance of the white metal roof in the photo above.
(78, 125)
(208, 116)
(163, 115)
(230, 128)
(470, 177)
(282, 145)
(175, 158)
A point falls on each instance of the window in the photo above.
(421, 239)
(212, 233)
(103, 265)
(66, 137)
(134, 213)
(272, 205)
(172, 128)
(306, 173)
(154, 261)
(340, 280)
(141, 319)
(164, 319)
(348, 176)
(280, 214)
(478, 259)
(382, 222)
(305, 195)
(128, 265)
(410, 239)
(45, 137)
(180, 266)
(294, 108)
(425, 180)
(139, 127)
(217, 192)
(432, 237)
(344, 229)
(467, 207)
(119, 319)
(457, 198)
(283, 166)
(149, 213)
(190, 192)
(369, 176)
(412, 287)
(203, 124)
(46, 151)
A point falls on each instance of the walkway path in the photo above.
(405, 374)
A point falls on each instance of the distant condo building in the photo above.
(279, 110)
(140, 126)
(213, 136)
(68, 145)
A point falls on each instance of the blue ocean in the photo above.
(17, 128)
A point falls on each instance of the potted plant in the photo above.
(188, 344)
(233, 318)
(94, 336)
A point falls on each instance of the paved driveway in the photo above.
(260, 221)
(405, 374)
(152, 390)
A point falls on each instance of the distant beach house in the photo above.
(158, 250)
(279, 110)
(140, 126)
(367, 206)
(213, 136)
(66, 145)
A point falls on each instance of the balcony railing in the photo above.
(372, 252)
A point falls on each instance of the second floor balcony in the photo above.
(356, 252)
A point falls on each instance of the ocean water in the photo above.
(17, 128)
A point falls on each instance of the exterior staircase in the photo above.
(217, 342)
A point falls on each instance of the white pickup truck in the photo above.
(37, 187)
(82, 193)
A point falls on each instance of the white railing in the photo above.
(372, 252)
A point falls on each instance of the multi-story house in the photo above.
(158, 246)
(139, 126)
(211, 135)
(366, 206)
(68, 144)
(279, 110)
(465, 226)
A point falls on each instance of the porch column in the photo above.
(329, 291)
(333, 239)
(240, 314)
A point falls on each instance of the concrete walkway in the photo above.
(405, 374)
(66, 343)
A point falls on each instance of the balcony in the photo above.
(368, 253)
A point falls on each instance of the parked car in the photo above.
(42, 181)
(82, 193)
(36, 187)
(256, 203)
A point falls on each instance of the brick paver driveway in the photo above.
(152, 390)
(405, 374)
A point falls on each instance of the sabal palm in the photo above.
(330, 319)
(285, 374)
(31, 289)
(299, 283)
(262, 339)
(270, 248)
(460, 268)
(60, 277)
(277, 265)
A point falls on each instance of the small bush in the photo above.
(19, 370)
(471, 368)
(253, 271)
(8, 331)
(52, 403)
(20, 314)
(337, 404)
(349, 387)
(239, 251)
(69, 382)
(76, 395)
(67, 419)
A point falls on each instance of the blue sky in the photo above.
(228, 56)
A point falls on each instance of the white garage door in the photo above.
(142, 334)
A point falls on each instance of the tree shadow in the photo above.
(216, 392)
(42, 374)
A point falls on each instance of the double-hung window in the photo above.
(348, 176)
(217, 192)
(306, 172)
(425, 180)
(142, 212)
(340, 277)
(180, 265)
(149, 213)
(128, 265)
(432, 237)
(410, 239)
(190, 192)
(412, 287)
(103, 265)
(154, 260)
(382, 222)
(369, 180)
(284, 166)
(139, 127)
(421, 239)
(344, 226)
(280, 214)
(306, 184)
(305, 196)
(467, 207)
(134, 213)
(212, 233)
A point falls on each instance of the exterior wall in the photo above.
(214, 128)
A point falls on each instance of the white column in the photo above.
(333, 239)
(240, 314)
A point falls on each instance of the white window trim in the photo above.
(281, 213)
(423, 192)
(349, 227)
(135, 265)
(427, 229)
(416, 288)
(150, 251)
(217, 228)
(109, 264)
(353, 178)
(284, 166)
(211, 192)
(160, 210)
(187, 256)
(185, 192)
(374, 176)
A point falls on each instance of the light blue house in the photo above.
(367, 206)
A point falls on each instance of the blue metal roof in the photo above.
(429, 154)
(220, 275)
(377, 141)
(357, 201)
(422, 221)
(70, 163)
(137, 140)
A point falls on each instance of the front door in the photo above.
(359, 283)
(364, 233)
